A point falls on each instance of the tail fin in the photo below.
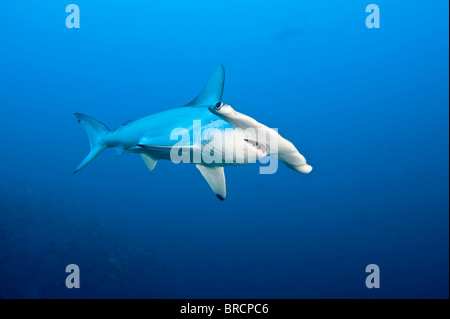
(95, 131)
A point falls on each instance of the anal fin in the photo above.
(150, 161)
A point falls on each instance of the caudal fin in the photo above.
(95, 131)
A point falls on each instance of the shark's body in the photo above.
(155, 130)
(288, 33)
(156, 137)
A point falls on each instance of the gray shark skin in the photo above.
(153, 137)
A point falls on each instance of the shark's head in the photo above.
(221, 108)
(242, 139)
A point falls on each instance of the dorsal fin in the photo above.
(213, 90)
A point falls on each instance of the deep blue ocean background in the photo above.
(369, 109)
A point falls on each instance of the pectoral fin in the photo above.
(215, 177)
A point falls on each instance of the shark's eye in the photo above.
(218, 105)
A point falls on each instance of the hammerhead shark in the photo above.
(288, 33)
(213, 135)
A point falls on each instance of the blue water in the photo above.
(368, 108)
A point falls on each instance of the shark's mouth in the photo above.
(259, 146)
